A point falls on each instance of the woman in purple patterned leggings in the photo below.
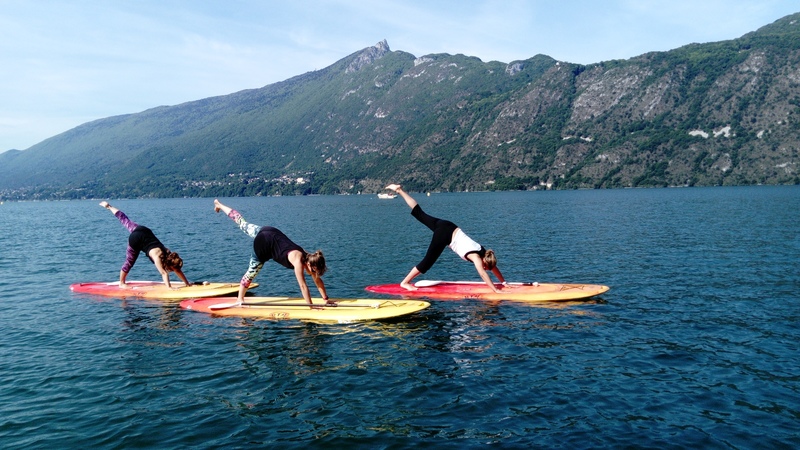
(142, 239)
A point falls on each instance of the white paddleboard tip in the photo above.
(223, 306)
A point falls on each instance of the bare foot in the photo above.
(408, 286)
(393, 187)
(105, 204)
(217, 205)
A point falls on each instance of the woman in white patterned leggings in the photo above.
(271, 243)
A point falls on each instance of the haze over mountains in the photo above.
(722, 113)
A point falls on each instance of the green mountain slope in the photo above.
(723, 113)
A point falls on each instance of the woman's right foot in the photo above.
(105, 204)
(408, 286)
(217, 205)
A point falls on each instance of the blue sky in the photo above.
(64, 63)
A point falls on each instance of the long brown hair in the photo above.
(171, 261)
(316, 261)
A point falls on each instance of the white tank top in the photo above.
(463, 244)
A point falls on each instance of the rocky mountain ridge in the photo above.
(723, 113)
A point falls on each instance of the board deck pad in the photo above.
(283, 308)
(156, 289)
(461, 290)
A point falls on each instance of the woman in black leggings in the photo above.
(447, 234)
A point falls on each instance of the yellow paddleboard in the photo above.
(282, 308)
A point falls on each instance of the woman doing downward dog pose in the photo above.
(446, 233)
(142, 239)
(271, 243)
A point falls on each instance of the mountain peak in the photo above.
(368, 56)
(701, 115)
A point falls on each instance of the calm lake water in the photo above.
(695, 346)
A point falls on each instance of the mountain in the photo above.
(722, 113)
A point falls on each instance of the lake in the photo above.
(695, 345)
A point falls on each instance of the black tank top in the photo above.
(142, 239)
(271, 243)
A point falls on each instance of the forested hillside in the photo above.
(722, 113)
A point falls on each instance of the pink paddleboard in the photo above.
(526, 292)
(156, 289)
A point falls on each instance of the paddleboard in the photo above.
(282, 308)
(157, 289)
(525, 292)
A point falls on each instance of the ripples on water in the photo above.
(695, 346)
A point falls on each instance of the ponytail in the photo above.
(316, 261)
(490, 260)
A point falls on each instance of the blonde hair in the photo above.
(490, 260)
(316, 261)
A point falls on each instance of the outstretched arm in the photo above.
(399, 190)
(301, 281)
(478, 261)
(296, 258)
(155, 255)
(320, 285)
(499, 275)
(180, 274)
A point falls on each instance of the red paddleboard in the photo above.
(157, 289)
(524, 292)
